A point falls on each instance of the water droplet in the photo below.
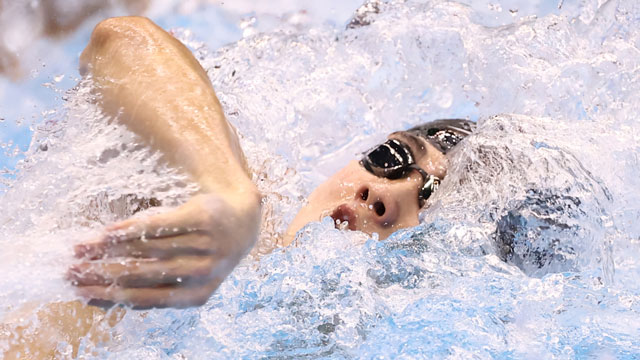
(495, 7)
(444, 100)
(58, 78)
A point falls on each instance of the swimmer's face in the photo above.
(369, 203)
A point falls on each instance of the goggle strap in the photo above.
(431, 183)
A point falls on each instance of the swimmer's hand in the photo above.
(175, 259)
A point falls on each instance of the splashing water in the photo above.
(557, 175)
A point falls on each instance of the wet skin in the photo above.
(369, 203)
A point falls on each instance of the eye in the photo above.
(379, 208)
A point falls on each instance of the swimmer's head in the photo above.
(373, 200)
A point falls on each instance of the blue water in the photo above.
(556, 151)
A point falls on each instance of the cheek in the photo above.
(409, 217)
(343, 185)
(408, 209)
(330, 193)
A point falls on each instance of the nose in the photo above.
(381, 208)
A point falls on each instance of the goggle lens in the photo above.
(390, 160)
(393, 160)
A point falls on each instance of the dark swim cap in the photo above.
(444, 134)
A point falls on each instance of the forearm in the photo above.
(34, 331)
(159, 90)
(149, 81)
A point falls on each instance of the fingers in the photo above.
(144, 298)
(184, 270)
(195, 243)
(173, 259)
(153, 227)
(137, 231)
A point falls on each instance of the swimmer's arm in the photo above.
(35, 331)
(152, 83)
(155, 86)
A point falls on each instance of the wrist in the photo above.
(242, 207)
(242, 194)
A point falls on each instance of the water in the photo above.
(562, 158)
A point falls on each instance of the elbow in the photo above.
(121, 26)
(114, 34)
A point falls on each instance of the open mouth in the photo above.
(344, 217)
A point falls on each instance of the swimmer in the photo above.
(179, 258)
(151, 82)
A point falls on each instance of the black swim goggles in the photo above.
(394, 160)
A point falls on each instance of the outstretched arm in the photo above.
(151, 82)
